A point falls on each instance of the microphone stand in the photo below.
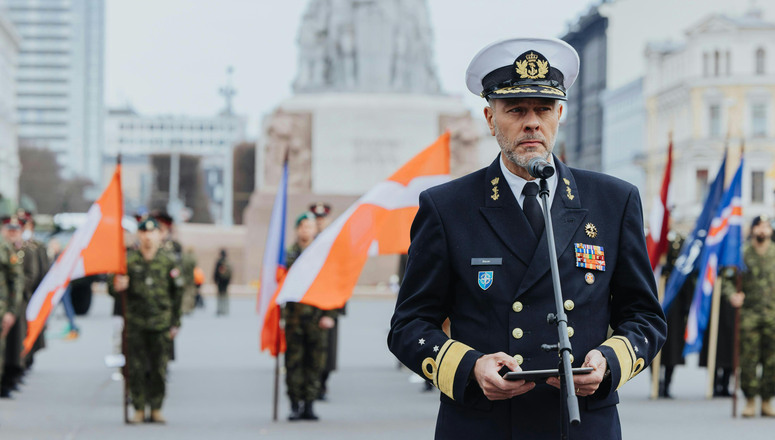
(560, 319)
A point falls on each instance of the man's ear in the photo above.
(489, 115)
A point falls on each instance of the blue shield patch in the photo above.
(485, 279)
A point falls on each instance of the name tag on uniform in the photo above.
(486, 261)
(589, 256)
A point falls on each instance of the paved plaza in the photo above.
(220, 387)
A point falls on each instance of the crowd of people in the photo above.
(162, 283)
(23, 262)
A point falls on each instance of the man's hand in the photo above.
(486, 373)
(8, 321)
(326, 322)
(736, 300)
(120, 283)
(586, 384)
(173, 332)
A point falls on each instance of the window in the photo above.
(714, 120)
(701, 186)
(760, 59)
(757, 187)
(716, 63)
(705, 64)
(759, 120)
(729, 63)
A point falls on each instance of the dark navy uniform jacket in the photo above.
(474, 226)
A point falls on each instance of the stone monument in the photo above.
(366, 100)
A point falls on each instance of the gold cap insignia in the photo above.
(495, 180)
(532, 65)
(567, 182)
(591, 230)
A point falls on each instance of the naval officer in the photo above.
(479, 257)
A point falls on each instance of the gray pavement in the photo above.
(220, 386)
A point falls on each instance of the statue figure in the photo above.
(366, 46)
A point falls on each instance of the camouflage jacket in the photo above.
(29, 258)
(758, 281)
(155, 291)
(12, 282)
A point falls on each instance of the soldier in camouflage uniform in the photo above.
(306, 335)
(757, 318)
(153, 286)
(36, 264)
(11, 324)
(6, 304)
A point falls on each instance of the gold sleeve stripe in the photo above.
(626, 356)
(448, 362)
(439, 357)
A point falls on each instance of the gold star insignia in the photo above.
(591, 230)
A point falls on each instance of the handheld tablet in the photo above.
(542, 374)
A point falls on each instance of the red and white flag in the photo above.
(376, 224)
(96, 247)
(659, 221)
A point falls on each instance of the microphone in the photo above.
(539, 168)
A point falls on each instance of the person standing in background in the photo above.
(756, 300)
(222, 278)
(322, 213)
(153, 286)
(306, 335)
(14, 322)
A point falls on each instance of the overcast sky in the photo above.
(171, 56)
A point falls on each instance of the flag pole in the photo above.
(736, 333)
(713, 337)
(656, 364)
(276, 393)
(124, 344)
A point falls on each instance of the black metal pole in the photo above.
(560, 319)
(125, 351)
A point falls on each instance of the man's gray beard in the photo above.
(511, 155)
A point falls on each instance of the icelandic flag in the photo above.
(688, 260)
(273, 272)
(723, 249)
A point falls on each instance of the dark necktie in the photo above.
(535, 215)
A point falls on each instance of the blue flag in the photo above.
(688, 259)
(722, 249)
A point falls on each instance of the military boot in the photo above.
(156, 416)
(139, 416)
(295, 412)
(750, 407)
(308, 414)
(767, 410)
